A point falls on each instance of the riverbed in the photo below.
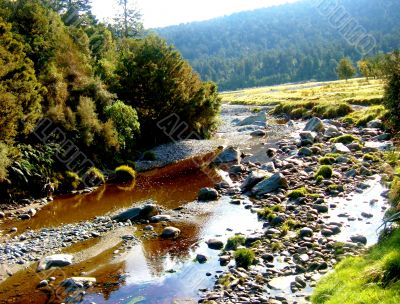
(146, 268)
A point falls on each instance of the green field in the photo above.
(323, 99)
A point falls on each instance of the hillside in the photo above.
(287, 43)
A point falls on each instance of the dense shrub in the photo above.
(392, 90)
(125, 120)
(155, 80)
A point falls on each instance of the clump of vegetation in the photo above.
(269, 213)
(234, 242)
(95, 176)
(306, 109)
(327, 160)
(149, 155)
(346, 139)
(360, 118)
(371, 278)
(297, 193)
(70, 181)
(276, 246)
(373, 157)
(244, 257)
(325, 171)
(125, 173)
(335, 187)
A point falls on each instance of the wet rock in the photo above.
(170, 233)
(2, 215)
(268, 257)
(332, 131)
(375, 124)
(260, 119)
(340, 148)
(207, 194)
(354, 146)
(236, 169)
(224, 260)
(351, 173)
(144, 212)
(24, 216)
(57, 260)
(383, 137)
(271, 152)
(315, 125)
(277, 221)
(13, 229)
(359, 239)
(128, 237)
(367, 215)
(201, 258)
(321, 208)
(228, 155)
(271, 184)
(78, 282)
(42, 284)
(32, 212)
(308, 137)
(279, 283)
(305, 152)
(160, 218)
(148, 228)
(254, 178)
(306, 232)
(215, 244)
(270, 167)
(258, 133)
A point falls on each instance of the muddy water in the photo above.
(170, 187)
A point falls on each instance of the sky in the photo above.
(159, 13)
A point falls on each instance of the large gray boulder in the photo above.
(271, 184)
(57, 260)
(144, 212)
(260, 119)
(228, 155)
(254, 178)
(315, 125)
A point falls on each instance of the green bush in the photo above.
(325, 171)
(244, 257)
(71, 181)
(125, 173)
(95, 176)
(155, 79)
(392, 89)
(125, 120)
(234, 242)
(5, 161)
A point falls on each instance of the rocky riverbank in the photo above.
(307, 177)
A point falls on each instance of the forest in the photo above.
(101, 85)
(289, 43)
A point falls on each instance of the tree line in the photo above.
(288, 43)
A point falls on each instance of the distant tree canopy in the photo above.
(345, 69)
(288, 43)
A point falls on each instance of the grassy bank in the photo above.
(375, 276)
(368, 279)
(322, 99)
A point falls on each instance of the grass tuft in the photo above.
(244, 257)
